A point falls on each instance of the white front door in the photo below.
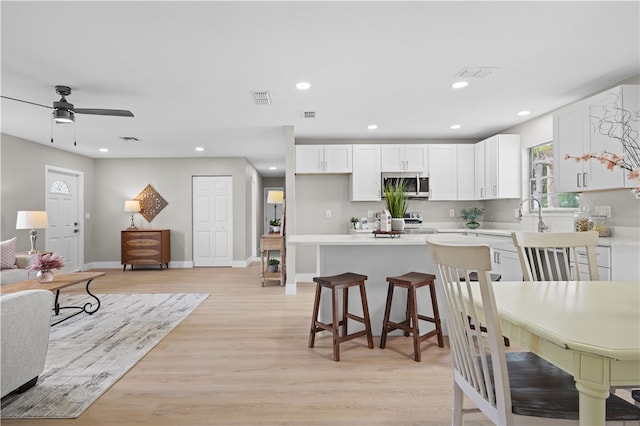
(64, 210)
(212, 220)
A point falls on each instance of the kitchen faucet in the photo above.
(541, 226)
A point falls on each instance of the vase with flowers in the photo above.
(44, 264)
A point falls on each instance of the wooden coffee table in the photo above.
(59, 282)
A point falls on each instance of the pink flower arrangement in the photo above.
(611, 160)
(46, 262)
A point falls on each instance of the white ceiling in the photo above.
(187, 70)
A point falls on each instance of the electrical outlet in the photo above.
(369, 213)
(452, 213)
(602, 211)
(516, 213)
(327, 213)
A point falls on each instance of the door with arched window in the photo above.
(63, 203)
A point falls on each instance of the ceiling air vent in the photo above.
(309, 114)
(129, 138)
(262, 97)
(476, 72)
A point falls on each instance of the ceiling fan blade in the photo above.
(96, 111)
(26, 102)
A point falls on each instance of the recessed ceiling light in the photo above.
(455, 126)
(103, 150)
(273, 168)
(303, 85)
(199, 148)
(459, 84)
(525, 112)
(372, 126)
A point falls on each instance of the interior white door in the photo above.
(64, 209)
(212, 220)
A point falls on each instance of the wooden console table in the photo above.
(270, 243)
(145, 247)
(59, 282)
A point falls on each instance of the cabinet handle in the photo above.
(584, 179)
(495, 190)
(481, 192)
(578, 180)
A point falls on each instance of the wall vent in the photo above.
(309, 114)
(129, 138)
(262, 97)
(476, 72)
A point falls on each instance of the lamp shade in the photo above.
(32, 220)
(132, 206)
(275, 197)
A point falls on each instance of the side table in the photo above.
(268, 244)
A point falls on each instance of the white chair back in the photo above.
(548, 256)
(479, 364)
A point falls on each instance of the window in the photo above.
(541, 181)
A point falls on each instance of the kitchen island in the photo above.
(380, 257)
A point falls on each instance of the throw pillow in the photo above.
(8, 254)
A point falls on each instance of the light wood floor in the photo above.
(241, 358)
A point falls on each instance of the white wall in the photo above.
(109, 182)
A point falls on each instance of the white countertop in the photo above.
(628, 237)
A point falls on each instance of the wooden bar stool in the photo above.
(412, 281)
(335, 283)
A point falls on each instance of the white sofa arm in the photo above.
(25, 319)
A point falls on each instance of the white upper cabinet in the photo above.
(366, 178)
(443, 172)
(323, 159)
(594, 125)
(466, 175)
(480, 192)
(498, 166)
(405, 158)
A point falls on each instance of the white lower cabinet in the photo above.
(624, 263)
(506, 262)
(603, 260)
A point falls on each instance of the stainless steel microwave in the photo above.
(416, 186)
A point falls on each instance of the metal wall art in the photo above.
(151, 203)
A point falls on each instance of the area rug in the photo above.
(89, 353)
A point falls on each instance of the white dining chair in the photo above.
(507, 387)
(547, 256)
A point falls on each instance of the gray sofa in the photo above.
(19, 273)
(25, 319)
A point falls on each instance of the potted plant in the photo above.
(275, 225)
(354, 222)
(470, 215)
(273, 265)
(396, 199)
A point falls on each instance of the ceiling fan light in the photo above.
(61, 115)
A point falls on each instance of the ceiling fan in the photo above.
(64, 112)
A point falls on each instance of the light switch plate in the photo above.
(327, 213)
(452, 213)
(602, 211)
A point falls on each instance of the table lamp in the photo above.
(132, 206)
(32, 220)
(275, 198)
